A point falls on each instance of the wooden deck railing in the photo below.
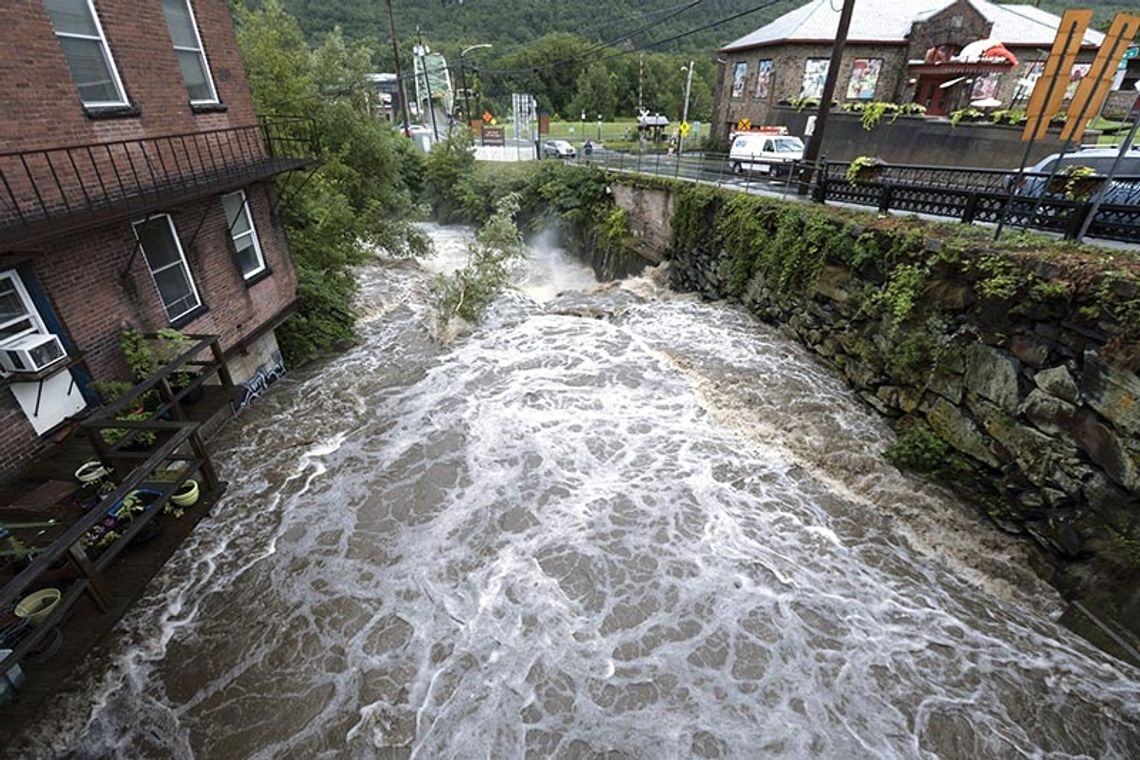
(178, 449)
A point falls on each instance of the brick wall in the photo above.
(41, 106)
(83, 278)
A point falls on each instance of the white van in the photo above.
(762, 153)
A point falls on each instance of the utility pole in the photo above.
(641, 83)
(685, 111)
(399, 79)
(816, 141)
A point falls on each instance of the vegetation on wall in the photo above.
(359, 201)
(787, 246)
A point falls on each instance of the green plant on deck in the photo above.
(919, 450)
(498, 245)
(803, 103)
(966, 114)
(912, 109)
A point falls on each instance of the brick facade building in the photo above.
(899, 52)
(135, 192)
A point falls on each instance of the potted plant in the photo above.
(186, 495)
(864, 169)
(1076, 182)
(36, 607)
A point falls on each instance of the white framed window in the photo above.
(247, 247)
(167, 263)
(18, 315)
(188, 48)
(80, 34)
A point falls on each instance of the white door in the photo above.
(49, 401)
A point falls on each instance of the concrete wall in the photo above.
(912, 140)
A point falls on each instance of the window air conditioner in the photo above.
(31, 353)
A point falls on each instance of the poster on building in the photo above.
(763, 78)
(985, 87)
(815, 73)
(1079, 72)
(1025, 85)
(739, 74)
(864, 78)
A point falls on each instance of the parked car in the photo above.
(763, 153)
(1124, 190)
(558, 149)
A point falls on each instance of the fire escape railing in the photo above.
(58, 189)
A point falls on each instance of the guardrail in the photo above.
(969, 195)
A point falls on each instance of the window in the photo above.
(168, 266)
(247, 247)
(77, 27)
(18, 316)
(188, 48)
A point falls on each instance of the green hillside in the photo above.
(508, 24)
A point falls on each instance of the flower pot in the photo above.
(186, 495)
(37, 606)
(90, 472)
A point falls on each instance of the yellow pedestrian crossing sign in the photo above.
(685, 129)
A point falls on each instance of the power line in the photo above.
(599, 46)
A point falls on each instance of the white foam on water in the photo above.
(664, 534)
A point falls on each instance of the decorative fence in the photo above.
(967, 195)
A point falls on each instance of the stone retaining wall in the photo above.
(1044, 426)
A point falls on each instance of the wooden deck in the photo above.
(42, 490)
(86, 626)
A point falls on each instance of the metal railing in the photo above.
(1036, 201)
(50, 188)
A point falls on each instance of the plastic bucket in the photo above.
(10, 681)
(187, 494)
(91, 471)
(36, 607)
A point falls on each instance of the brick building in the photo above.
(134, 191)
(896, 51)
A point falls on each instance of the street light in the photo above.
(599, 127)
(463, 79)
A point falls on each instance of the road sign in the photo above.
(744, 125)
(685, 129)
(494, 136)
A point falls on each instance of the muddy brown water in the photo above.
(613, 523)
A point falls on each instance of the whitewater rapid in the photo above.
(614, 522)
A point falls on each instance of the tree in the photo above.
(359, 200)
(597, 92)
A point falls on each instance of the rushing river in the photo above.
(617, 522)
